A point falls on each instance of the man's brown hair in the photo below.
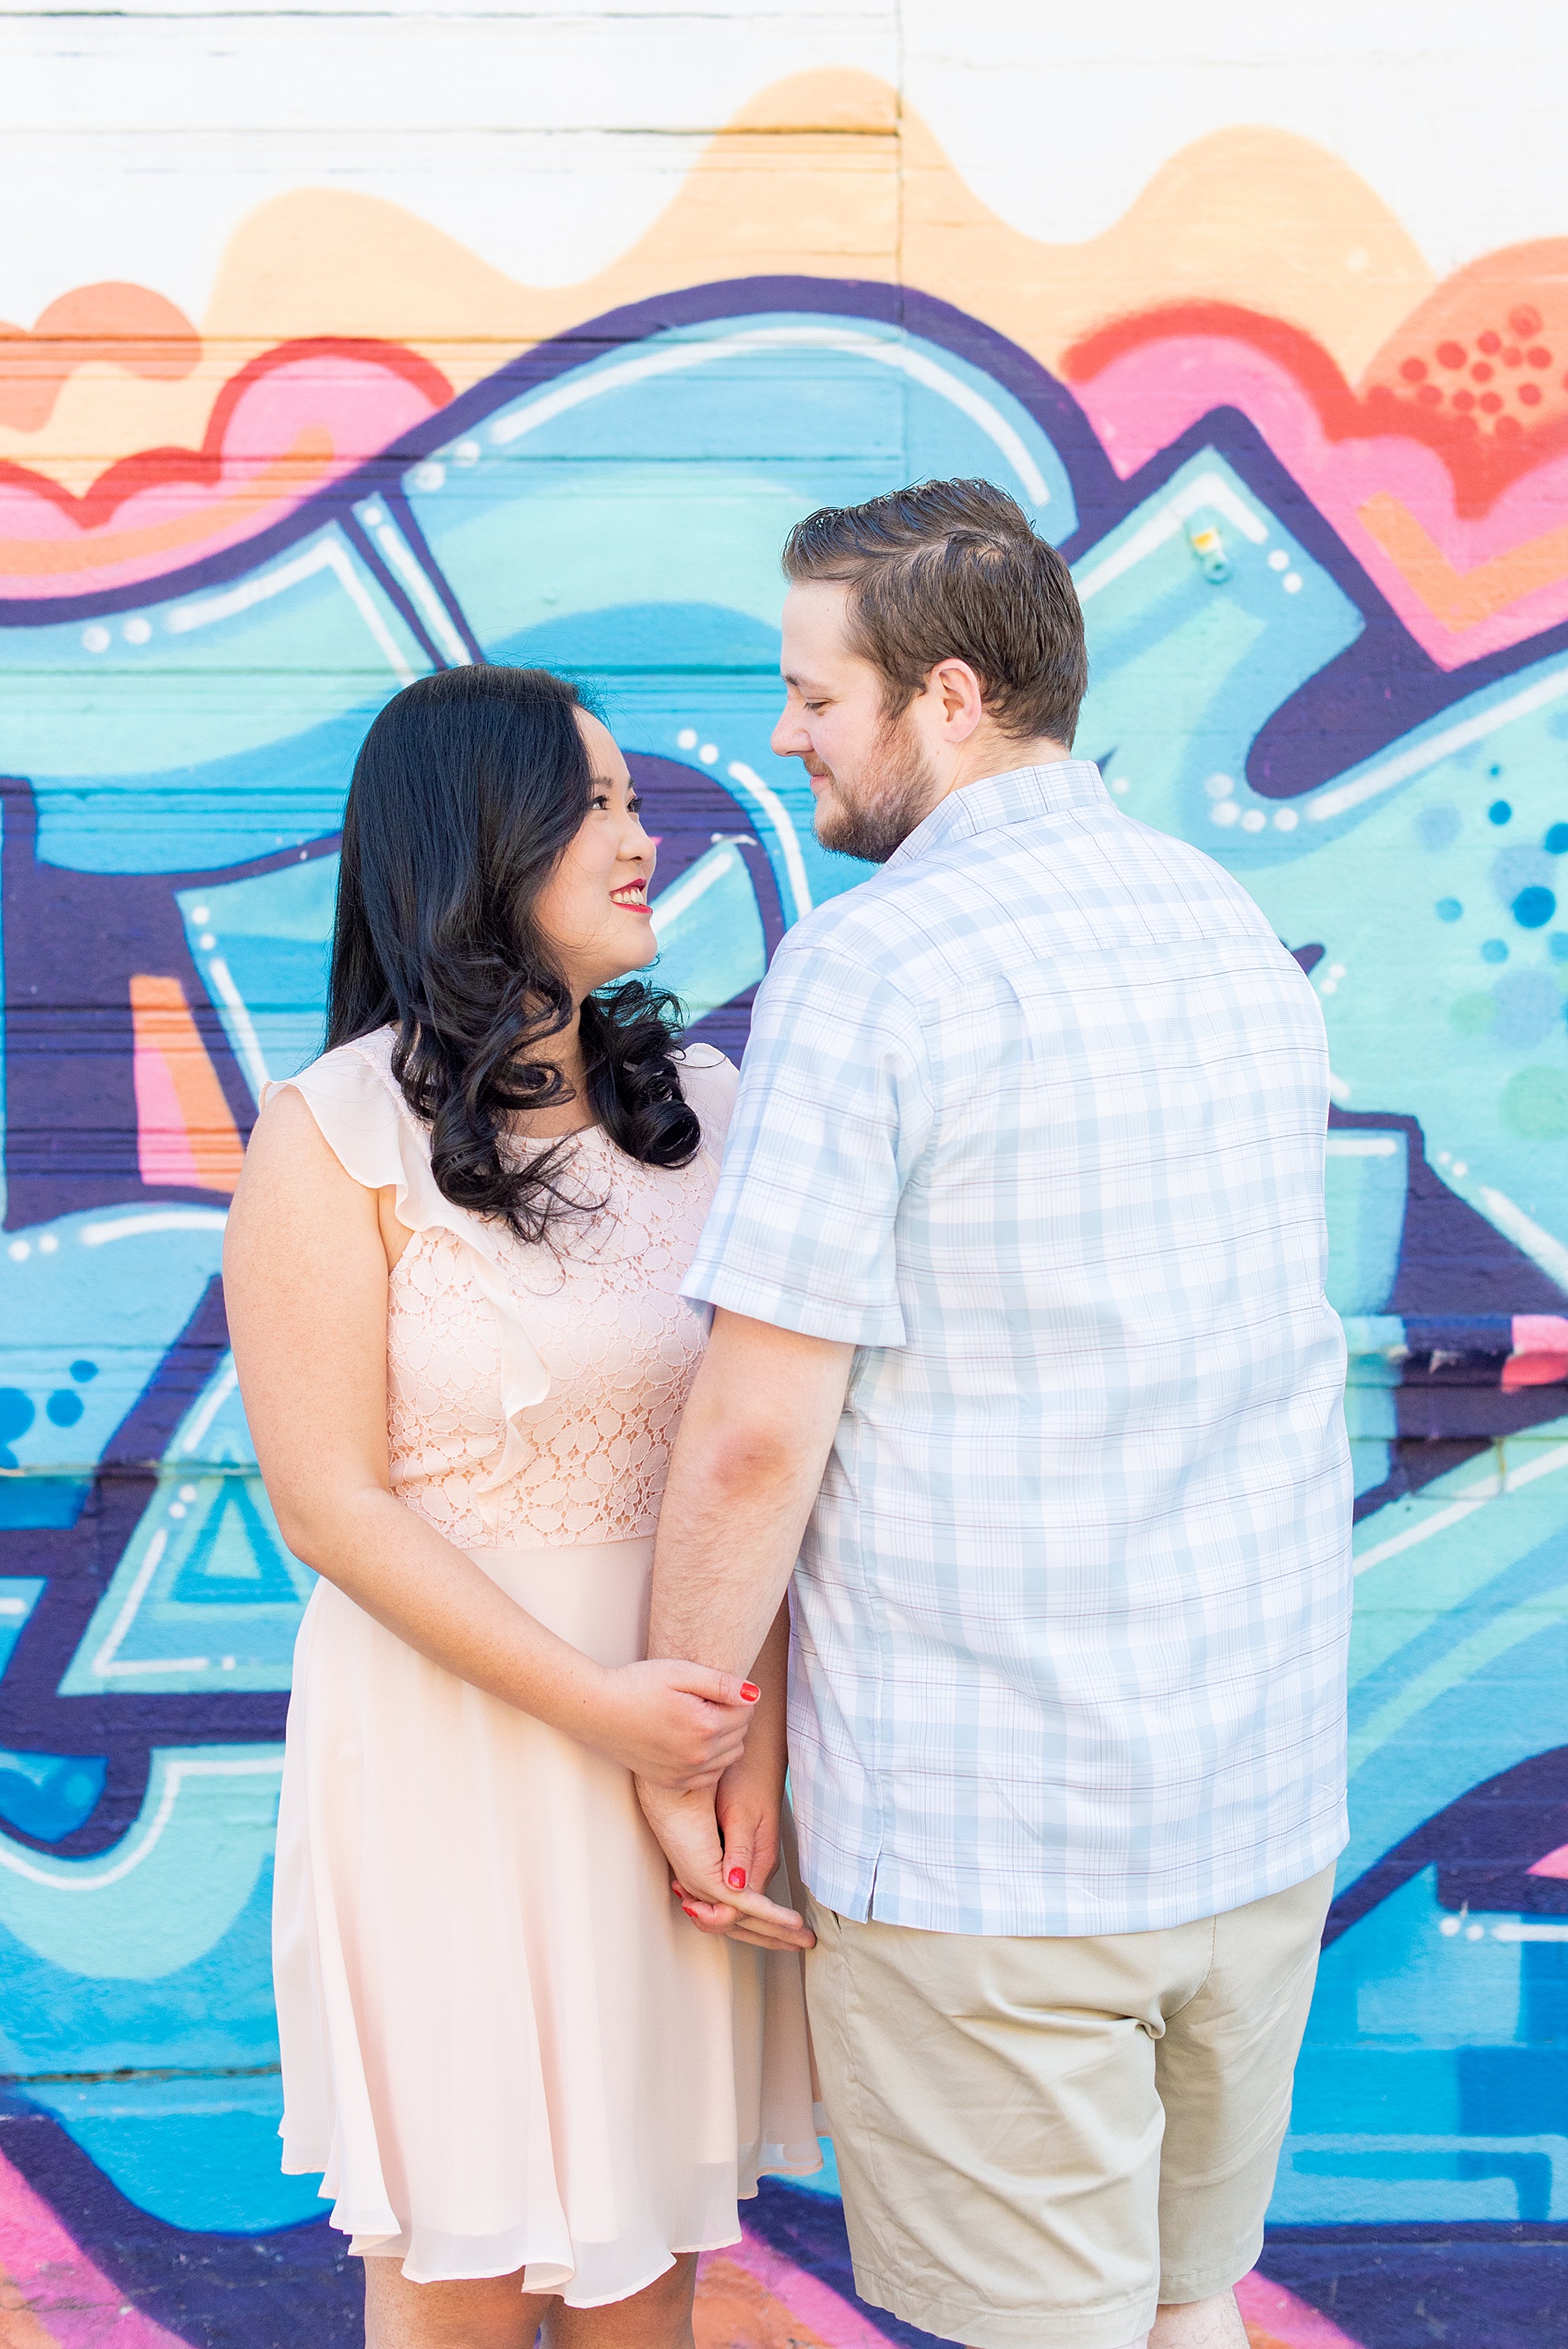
(953, 571)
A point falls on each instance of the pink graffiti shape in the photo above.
(295, 427)
(1540, 1352)
(76, 2303)
(818, 2307)
(1267, 2306)
(163, 1149)
(1276, 2311)
(1555, 1864)
(1143, 400)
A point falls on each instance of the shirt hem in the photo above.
(1309, 1850)
(784, 1309)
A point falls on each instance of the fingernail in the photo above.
(737, 1879)
(689, 1912)
(749, 1690)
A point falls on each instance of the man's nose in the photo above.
(790, 738)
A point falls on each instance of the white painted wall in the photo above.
(133, 141)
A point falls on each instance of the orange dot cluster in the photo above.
(1487, 381)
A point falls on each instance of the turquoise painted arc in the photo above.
(621, 519)
(210, 727)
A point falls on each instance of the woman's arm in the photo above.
(305, 1279)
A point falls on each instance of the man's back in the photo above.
(1035, 1119)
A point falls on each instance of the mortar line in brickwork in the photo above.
(128, 2073)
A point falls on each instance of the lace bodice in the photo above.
(602, 1310)
(533, 1393)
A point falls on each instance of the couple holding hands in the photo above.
(949, 1404)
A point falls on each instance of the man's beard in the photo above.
(895, 790)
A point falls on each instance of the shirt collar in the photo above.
(999, 800)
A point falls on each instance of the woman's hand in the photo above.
(723, 1853)
(748, 1809)
(677, 1726)
(688, 1832)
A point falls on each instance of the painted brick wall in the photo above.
(346, 346)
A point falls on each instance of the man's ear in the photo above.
(963, 705)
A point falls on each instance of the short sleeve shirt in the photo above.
(1034, 1120)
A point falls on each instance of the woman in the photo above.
(452, 1270)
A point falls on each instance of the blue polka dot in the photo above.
(1449, 909)
(1438, 828)
(1560, 945)
(1533, 908)
(82, 1371)
(1500, 810)
(16, 1417)
(1556, 840)
(63, 1407)
(1494, 951)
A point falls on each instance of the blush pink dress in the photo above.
(503, 2045)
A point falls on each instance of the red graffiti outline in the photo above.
(160, 468)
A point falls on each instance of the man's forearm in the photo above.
(726, 1545)
(747, 1465)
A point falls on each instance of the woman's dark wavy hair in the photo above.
(467, 789)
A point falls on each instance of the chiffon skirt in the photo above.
(503, 2045)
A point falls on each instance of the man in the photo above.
(1020, 1342)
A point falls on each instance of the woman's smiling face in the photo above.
(594, 907)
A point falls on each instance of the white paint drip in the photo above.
(247, 1041)
(783, 824)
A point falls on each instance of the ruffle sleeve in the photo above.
(708, 1082)
(370, 1130)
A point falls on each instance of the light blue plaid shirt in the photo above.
(1035, 1120)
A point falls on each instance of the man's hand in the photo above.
(688, 1830)
(748, 1802)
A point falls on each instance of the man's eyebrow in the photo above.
(790, 679)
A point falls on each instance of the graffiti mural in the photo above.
(1328, 625)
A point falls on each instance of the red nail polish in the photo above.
(749, 1690)
(689, 1912)
(737, 1879)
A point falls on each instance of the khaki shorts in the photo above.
(1040, 2139)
